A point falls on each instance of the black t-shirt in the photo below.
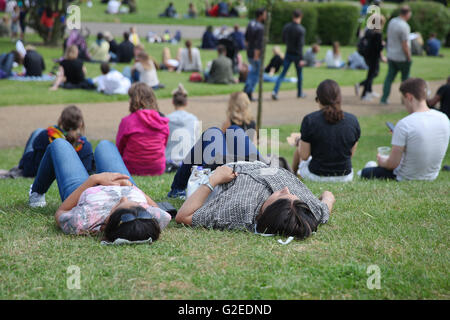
(276, 62)
(331, 144)
(254, 36)
(374, 45)
(247, 126)
(33, 63)
(444, 93)
(73, 70)
(125, 51)
(294, 37)
(113, 46)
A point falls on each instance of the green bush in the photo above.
(282, 14)
(337, 22)
(428, 17)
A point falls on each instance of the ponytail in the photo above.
(329, 97)
(188, 46)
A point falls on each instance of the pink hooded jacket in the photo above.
(142, 140)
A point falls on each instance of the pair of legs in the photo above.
(372, 73)
(378, 173)
(62, 163)
(214, 149)
(252, 77)
(288, 59)
(393, 68)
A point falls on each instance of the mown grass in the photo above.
(33, 93)
(401, 227)
(148, 13)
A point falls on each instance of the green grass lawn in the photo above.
(401, 227)
(33, 93)
(149, 10)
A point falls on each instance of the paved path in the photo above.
(102, 119)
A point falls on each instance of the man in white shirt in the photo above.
(419, 141)
(111, 81)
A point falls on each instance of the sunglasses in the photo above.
(128, 217)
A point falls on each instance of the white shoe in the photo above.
(357, 89)
(375, 94)
(371, 164)
(368, 97)
(36, 200)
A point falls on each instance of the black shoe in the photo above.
(274, 96)
(446, 168)
(250, 97)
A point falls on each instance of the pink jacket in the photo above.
(142, 140)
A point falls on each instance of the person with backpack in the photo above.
(370, 46)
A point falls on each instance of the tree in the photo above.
(35, 12)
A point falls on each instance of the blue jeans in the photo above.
(253, 75)
(216, 148)
(378, 173)
(62, 163)
(288, 59)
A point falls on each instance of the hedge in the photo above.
(428, 17)
(337, 22)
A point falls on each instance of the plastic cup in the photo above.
(384, 152)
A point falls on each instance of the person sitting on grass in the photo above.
(419, 141)
(276, 62)
(433, 45)
(146, 71)
(111, 81)
(71, 72)
(183, 126)
(108, 201)
(190, 59)
(33, 62)
(125, 51)
(442, 96)
(192, 12)
(169, 12)
(142, 135)
(99, 49)
(221, 71)
(328, 139)
(209, 41)
(239, 114)
(333, 58)
(7, 61)
(70, 127)
(310, 56)
(252, 196)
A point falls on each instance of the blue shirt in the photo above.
(433, 46)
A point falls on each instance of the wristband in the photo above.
(209, 186)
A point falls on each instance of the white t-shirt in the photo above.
(425, 136)
(113, 83)
(333, 61)
(113, 7)
(147, 76)
(184, 132)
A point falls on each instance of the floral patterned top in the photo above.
(95, 205)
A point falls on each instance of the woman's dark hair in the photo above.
(287, 218)
(329, 95)
(139, 229)
(188, 46)
(48, 12)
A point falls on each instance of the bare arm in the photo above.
(432, 102)
(328, 198)
(305, 150)
(105, 178)
(393, 160)
(354, 148)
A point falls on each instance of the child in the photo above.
(70, 127)
(111, 81)
(142, 135)
(183, 130)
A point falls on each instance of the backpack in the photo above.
(363, 44)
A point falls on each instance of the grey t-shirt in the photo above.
(310, 58)
(236, 204)
(397, 32)
(425, 136)
(184, 132)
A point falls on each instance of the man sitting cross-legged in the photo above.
(419, 141)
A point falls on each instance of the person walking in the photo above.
(254, 36)
(398, 50)
(294, 37)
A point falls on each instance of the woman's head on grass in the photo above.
(284, 214)
(128, 220)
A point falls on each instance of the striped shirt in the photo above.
(236, 204)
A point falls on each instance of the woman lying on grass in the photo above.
(108, 201)
(258, 198)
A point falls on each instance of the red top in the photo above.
(48, 22)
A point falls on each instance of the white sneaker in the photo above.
(357, 89)
(371, 164)
(36, 200)
(368, 97)
(375, 94)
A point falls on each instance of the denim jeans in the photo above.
(214, 149)
(377, 173)
(253, 75)
(62, 163)
(288, 59)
